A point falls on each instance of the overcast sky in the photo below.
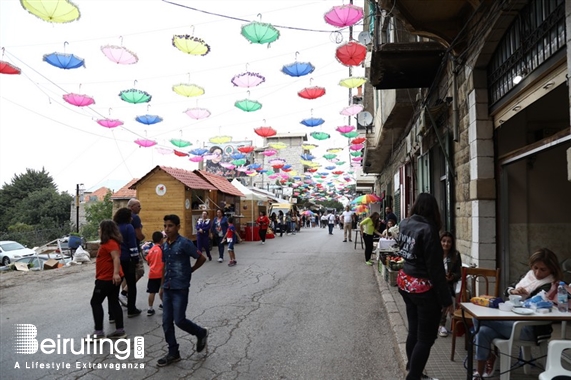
(38, 129)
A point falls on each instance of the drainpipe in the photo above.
(455, 113)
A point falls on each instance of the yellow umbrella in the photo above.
(190, 45)
(278, 145)
(58, 11)
(220, 139)
(334, 150)
(309, 146)
(188, 90)
(352, 82)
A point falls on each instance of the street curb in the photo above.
(396, 321)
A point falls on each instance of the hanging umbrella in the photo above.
(357, 159)
(8, 68)
(241, 168)
(188, 90)
(330, 167)
(247, 80)
(196, 158)
(64, 61)
(228, 165)
(180, 154)
(351, 54)
(163, 151)
(356, 153)
(197, 113)
(237, 156)
(265, 131)
(334, 150)
(254, 166)
(269, 152)
(198, 151)
(248, 105)
(352, 110)
(308, 146)
(56, 11)
(344, 15)
(366, 199)
(135, 96)
(311, 92)
(180, 143)
(239, 162)
(78, 100)
(307, 156)
(145, 143)
(352, 82)
(356, 146)
(320, 135)
(351, 135)
(337, 172)
(119, 54)
(260, 32)
(109, 123)
(278, 145)
(305, 162)
(220, 139)
(312, 122)
(329, 156)
(149, 119)
(345, 128)
(298, 69)
(246, 149)
(190, 45)
(358, 140)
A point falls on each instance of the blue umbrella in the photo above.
(149, 119)
(198, 151)
(307, 157)
(312, 121)
(254, 166)
(286, 167)
(298, 69)
(330, 167)
(323, 173)
(237, 156)
(64, 61)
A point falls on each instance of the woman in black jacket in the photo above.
(453, 268)
(422, 281)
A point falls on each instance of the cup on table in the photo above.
(516, 300)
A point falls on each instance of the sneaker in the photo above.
(118, 334)
(345, 241)
(220, 260)
(263, 242)
(442, 332)
(161, 306)
(134, 313)
(123, 300)
(369, 262)
(168, 360)
(98, 334)
(150, 312)
(232, 263)
(426, 377)
(202, 342)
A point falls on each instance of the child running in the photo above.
(155, 261)
(231, 237)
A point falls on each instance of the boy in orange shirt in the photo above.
(155, 261)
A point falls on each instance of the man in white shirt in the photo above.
(347, 223)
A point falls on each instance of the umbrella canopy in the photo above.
(358, 140)
(109, 123)
(352, 82)
(260, 33)
(351, 54)
(180, 154)
(351, 135)
(307, 157)
(334, 150)
(312, 121)
(145, 143)
(357, 153)
(247, 80)
(163, 151)
(352, 110)
(311, 92)
(308, 146)
(329, 156)
(330, 167)
(278, 145)
(320, 135)
(265, 131)
(149, 119)
(298, 69)
(198, 151)
(356, 146)
(197, 113)
(220, 139)
(196, 158)
(188, 90)
(78, 100)
(246, 149)
(180, 143)
(345, 128)
(248, 105)
(357, 159)
(361, 209)
(64, 61)
(344, 15)
(119, 54)
(269, 152)
(135, 96)
(190, 45)
(56, 11)
(366, 199)
(8, 68)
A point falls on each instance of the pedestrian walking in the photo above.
(177, 273)
(203, 226)
(263, 222)
(156, 266)
(331, 222)
(219, 227)
(231, 237)
(108, 275)
(135, 206)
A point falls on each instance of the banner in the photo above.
(223, 155)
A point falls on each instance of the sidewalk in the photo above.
(439, 365)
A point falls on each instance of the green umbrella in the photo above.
(356, 153)
(135, 96)
(329, 156)
(339, 163)
(248, 105)
(239, 162)
(320, 135)
(351, 135)
(180, 143)
(260, 33)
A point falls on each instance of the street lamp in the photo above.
(78, 193)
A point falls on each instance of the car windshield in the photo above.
(11, 246)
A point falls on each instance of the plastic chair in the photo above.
(505, 347)
(472, 280)
(554, 354)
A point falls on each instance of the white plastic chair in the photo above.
(554, 356)
(505, 347)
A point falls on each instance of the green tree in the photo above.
(95, 213)
(331, 204)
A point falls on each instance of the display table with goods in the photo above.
(389, 264)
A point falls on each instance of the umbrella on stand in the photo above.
(56, 11)
(190, 45)
(8, 68)
(366, 199)
(260, 32)
(344, 15)
(351, 54)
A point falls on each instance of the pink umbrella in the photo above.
(197, 113)
(119, 54)
(344, 15)
(352, 110)
(345, 129)
(196, 158)
(242, 169)
(356, 146)
(248, 79)
(228, 165)
(78, 100)
(357, 159)
(109, 123)
(269, 152)
(163, 151)
(145, 143)
(273, 176)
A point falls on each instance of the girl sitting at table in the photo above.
(544, 272)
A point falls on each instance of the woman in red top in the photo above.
(263, 222)
(108, 276)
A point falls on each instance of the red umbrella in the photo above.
(246, 149)
(358, 140)
(180, 154)
(312, 92)
(265, 131)
(8, 68)
(351, 54)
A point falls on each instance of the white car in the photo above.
(11, 251)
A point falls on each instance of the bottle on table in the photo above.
(562, 304)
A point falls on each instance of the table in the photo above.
(482, 313)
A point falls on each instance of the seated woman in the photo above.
(544, 272)
(391, 231)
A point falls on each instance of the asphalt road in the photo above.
(298, 307)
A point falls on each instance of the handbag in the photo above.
(411, 284)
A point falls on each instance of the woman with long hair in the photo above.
(453, 268)
(368, 230)
(422, 281)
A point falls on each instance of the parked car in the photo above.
(11, 250)
(37, 262)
